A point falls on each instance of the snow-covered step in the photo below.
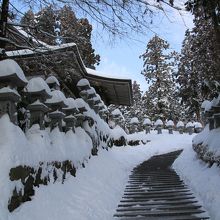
(154, 191)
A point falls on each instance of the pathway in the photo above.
(155, 191)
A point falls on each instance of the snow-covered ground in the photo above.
(97, 189)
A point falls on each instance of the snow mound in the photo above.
(134, 120)
(57, 96)
(147, 121)
(9, 67)
(180, 124)
(83, 82)
(158, 122)
(170, 123)
(37, 84)
(52, 79)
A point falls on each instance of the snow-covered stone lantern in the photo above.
(205, 105)
(134, 122)
(180, 127)
(147, 125)
(198, 127)
(83, 84)
(53, 83)
(11, 77)
(56, 103)
(37, 91)
(71, 110)
(80, 117)
(190, 128)
(116, 117)
(170, 126)
(216, 111)
(159, 126)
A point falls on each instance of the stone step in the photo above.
(158, 213)
(163, 194)
(156, 191)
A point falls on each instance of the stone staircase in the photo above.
(155, 191)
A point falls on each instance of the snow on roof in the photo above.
(189, 124)
(198, 125)
(147, 121)
(57, 96)
(134, 120)
(38, 50)
(83, 82)
(170, 123)
(52, 79)
(205, 103)
(9, 90)
(97, 73)
(37, 84)
(9, 67)
(116, 112)
(71, 103)
(180, 124)
(158, 122)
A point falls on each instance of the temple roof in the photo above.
(112, 90)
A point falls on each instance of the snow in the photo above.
(180, 124)
(71, 103)
(38, 103)
(97, 189)
(170, 123)
(9, 67)
(158, 122)
(80, 103)
(189, 124)
(208, 138)
(147, 121)
(118, 132)
(116, 112)
(83, 82)
(205, 104)
(52, 79)
(97, 73)
(9, 90)
(37, 84)
(57, 96)
(134, 120)
(91, 91)
(198, 125)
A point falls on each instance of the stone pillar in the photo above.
(159, 129)
(56, 120)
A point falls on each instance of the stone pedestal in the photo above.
(190, 130)
(180, 129)
(70, 121)
(170, 129)
(56, 119)
(217, 120)
(159, 129)
(8, 100)
(37, 112)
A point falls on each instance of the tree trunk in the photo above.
(3, 23)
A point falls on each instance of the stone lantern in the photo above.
(147, 125)
(159, 126)
(71, 110)
(116, 116)
(170, 126)
(134, 122)
(81, 105)
(190, 128)
(198, 127)
(56, 104)
(37, 91)
(53, 83)
(206, 105)
(83, 84)
(216, 111)
(180, 127)
(37, 112)
(11, 77)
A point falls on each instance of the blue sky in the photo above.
(122, 58)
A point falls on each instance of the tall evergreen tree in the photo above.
(159, 68)
(73, 30)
